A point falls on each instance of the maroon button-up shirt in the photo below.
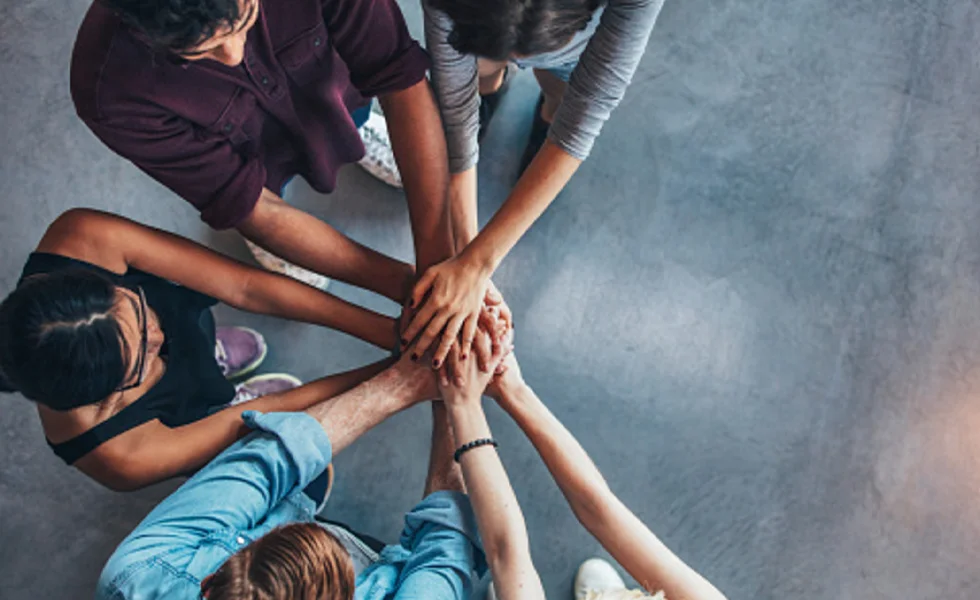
(217, 135)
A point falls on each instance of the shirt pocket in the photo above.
(303, 57)
(238, 120)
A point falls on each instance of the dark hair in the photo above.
(500, 29)
(60, 343)
(301, 561)
(176, 24)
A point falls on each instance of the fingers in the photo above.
(428, 336)
(422, 287)
(469, 332)
(456, 366)
(422, 319)
(484, 352)
(447, 342)
(492, 297)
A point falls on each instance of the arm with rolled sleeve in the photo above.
(235, 492)
(204, 170)
(373, 40)
(439, 557)
(603, 73)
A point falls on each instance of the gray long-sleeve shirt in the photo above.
(608, 52)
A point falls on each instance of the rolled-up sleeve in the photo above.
(202, 169)
(455, 77)
(373, 40)
(237, 489)
(604, 71)
(439, 557)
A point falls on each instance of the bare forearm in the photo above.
(463, 207)
(419, 144)
(444, 473)
(498, 514)
(279, 296)
(534, 192)
(350, 415)
(602, 513)
(305, 240)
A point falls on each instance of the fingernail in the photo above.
(435, 364)
(415, 357)
(463, 357)
(404, 342)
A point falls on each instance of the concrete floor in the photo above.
(756, 305)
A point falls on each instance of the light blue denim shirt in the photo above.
(257, 485)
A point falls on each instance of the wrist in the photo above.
(476, 257)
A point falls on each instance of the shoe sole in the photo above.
(255, 364)
(292, 379)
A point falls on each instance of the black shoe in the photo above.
(490, 102)
(539, 133)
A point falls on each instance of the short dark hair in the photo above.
(60, 343)
(295, 562)
(176, 24)
(500, 29)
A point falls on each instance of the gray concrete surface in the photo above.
(756, 305)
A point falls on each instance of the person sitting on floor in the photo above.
(584, 54)
(246, 526)
(110, 333)
(498, 513)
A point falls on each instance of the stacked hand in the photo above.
(463, 380)
(450, 303)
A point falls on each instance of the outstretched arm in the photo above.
(498, 514)
(116, 244)
(619, 531)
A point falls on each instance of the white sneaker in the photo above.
(379, 159)
(598, 580)
(277, 265)
(596, 577)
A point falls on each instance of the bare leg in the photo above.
(491, 73)
(444, 473)
(553, 89)
(305, 240)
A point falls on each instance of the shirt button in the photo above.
(240, 540)
(317, 41)
(227, 128)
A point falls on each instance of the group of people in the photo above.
(109, 330)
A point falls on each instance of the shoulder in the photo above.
(87, 235)
(108, 63)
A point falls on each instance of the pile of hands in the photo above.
(468, 354)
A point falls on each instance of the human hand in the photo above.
(448, 299)
(507, 380)
(496, 320)
(462, 380)
(422, 380)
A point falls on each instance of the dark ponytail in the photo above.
(60, 343)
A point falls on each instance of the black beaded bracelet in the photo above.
(474, 444)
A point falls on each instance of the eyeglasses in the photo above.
(141, 357)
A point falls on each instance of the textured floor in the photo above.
(756, 305)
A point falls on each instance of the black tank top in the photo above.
(192, 387)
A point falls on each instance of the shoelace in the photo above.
(243, 394)
(221, 356)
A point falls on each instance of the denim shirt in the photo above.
(257, 485)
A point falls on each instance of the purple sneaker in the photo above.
(263, 385)
(239, 350)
